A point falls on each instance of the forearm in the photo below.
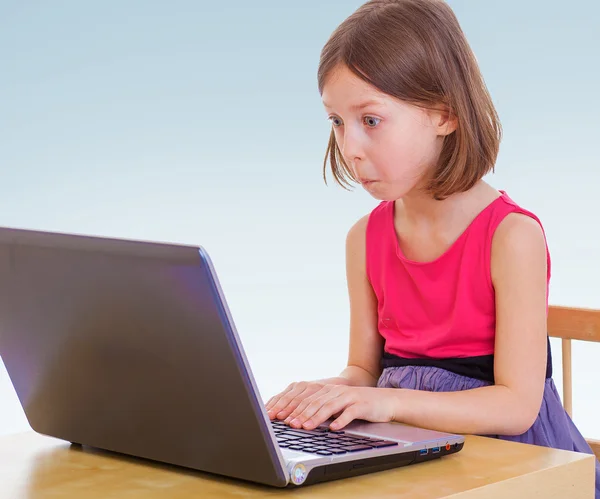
(489, 410)
(353, 376)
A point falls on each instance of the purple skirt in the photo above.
(552, 428)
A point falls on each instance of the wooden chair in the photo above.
(569, 323)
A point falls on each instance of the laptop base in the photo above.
(347, 469)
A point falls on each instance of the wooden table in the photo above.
(33, 466)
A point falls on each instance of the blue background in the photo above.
(200, 122)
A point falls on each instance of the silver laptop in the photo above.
(130, 347)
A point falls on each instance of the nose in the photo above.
(351, 147)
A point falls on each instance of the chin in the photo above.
(378, 191)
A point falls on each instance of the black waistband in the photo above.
(481, 367)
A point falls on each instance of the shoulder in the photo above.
(519, 231)
(357, 233)
(518, 243)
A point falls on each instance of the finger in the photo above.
(289, 400)
(269, 407)
(273, 400)
(316, 415)
(318, 395)
(351, 413)
(311, 404)
(280, 400)
(296, 400)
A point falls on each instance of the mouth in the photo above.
(366, 181)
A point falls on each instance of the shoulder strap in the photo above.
(378, 233)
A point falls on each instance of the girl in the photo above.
(447, 277)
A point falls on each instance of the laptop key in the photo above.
(287, 436)
(335, 436)
(325, 441)
(381, 444)
(297, 433)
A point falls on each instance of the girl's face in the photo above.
(388, 144)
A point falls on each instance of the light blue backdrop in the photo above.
(200, 122)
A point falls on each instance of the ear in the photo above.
(444, 120)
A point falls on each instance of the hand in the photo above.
(280, 406)
(345, 403)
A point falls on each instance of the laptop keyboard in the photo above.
(324, 441)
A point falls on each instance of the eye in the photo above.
(371, 121)
(333, 119)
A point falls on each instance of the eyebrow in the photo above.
(362, 105)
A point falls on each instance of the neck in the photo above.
(421, 207)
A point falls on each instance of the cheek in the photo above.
(401, 154)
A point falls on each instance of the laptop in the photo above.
(130, 347)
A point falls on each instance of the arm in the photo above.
(510, 406)
(366, 344)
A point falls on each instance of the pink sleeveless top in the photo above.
(443, 309)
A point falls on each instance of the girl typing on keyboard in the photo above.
(447, 277)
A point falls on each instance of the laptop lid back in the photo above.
(127, 346)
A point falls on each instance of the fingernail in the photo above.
(295, 421)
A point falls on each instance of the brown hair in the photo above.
(416, 51)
